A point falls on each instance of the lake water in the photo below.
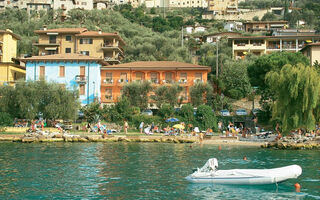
(143, 171)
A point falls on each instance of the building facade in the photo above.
(9, 71)
(312, 51)
(259, 45)
(107, 46)
(264, 26)
(114, 77)
(72, 71)
(223, 7)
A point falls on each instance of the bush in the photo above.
(235, 94)
(5, 119)
(206, 118)
(166, 111)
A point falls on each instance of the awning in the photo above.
(50, 48)
(52, 33)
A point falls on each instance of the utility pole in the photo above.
(182, 36)
(217, 60)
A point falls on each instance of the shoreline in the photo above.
(128, 138)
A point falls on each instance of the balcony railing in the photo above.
(123, 81)
(80, 79)
(108, 97)
(198, 81)
(183, 81)
(154, 81)
(168, 81)
(108, 81)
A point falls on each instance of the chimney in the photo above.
(44, 27)
(100, 31)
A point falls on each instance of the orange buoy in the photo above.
(219, 147)
(297, 187)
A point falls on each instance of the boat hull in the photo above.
(247, 176)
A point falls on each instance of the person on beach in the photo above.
(125, 126)
(99, 126)
(141, 127)
(89, 127)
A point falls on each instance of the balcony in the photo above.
(108, 81)
(107, 46)
(108, 97)
(168, 81)
(183, 81)
(80, 79)
(112, 60)
(198, 81)
(154, 81)
(122, 81)
(46, 43)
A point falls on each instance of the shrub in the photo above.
(5, 119)
(235, 94)
(206, 118)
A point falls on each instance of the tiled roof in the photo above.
(158, 65)
(62, 30)
(67, 56)
(11, 33)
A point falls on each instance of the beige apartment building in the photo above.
(264, 26)
(312, 51)
(259, 45)
(108, 46)
(223, 6)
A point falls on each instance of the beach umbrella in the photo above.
(178, 126)
(172, 120)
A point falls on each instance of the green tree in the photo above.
(137, 93)
(166, 111)
(206, 118)
(269, 17)
(92, 112)
(297, 90)
(186, 114)
(235, 78)
(32, 98)
(255, 18)
(198, 93)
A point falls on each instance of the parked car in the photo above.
(255, 111)
(241, 112)
(147, 112)
(225, 112)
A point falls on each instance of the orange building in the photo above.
(114, 77)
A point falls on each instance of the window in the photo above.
(109, 77)
(52, 39)
(123, 78)
(139, 76)
(183, 77)
(86, 41)
(61, 71)
(68, 38)
(108, 94)
(84, 3)
(82, 89)
(42, 72)
(68, 50)
(154, 77)
(168, 77)
(85, 53)
(198, 77)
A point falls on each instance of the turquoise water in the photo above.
(142, 171)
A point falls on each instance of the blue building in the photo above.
(73, 71)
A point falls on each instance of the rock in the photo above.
(81, 139)
(29, 139)
(58, 135)
(94, 138)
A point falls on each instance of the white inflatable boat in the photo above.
(209, 174)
